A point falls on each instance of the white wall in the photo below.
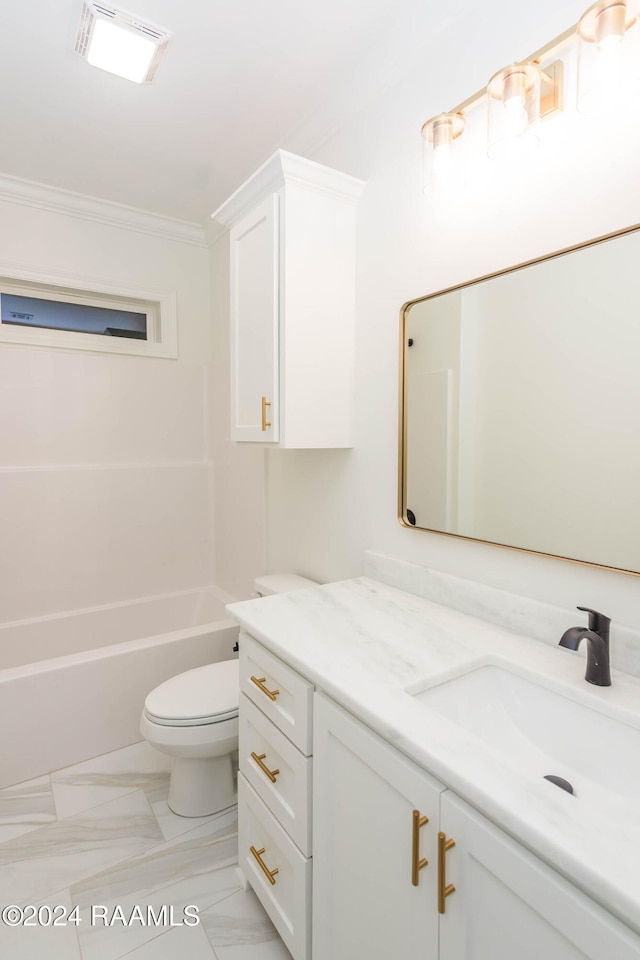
(326, 508)
(105, 469)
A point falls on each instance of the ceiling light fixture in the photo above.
(120, 42)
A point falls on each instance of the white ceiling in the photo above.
(238, 78)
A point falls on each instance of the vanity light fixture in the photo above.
(440, 153)
(606, 43)
(608, 56)
(120, 42)
(518, 97)
(514, 110)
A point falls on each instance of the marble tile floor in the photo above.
(99, 837)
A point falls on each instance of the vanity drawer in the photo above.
(282, 694)
(287, 895)
(289, 797)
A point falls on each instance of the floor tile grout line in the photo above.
(139, 855)
(192, 829)
(123, 956)
(80, 813)
(100, 804)
(156, 891)
(144, 855)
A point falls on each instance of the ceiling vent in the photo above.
(120, 42)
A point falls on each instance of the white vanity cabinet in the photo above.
(507, 903)
(274, 791)
(375, 824)
(501, 902)
(292, 237)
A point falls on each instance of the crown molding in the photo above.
(213, 231)
(68, 203)
(279, 170)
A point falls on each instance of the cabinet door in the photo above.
(254, 324)
(508, 904)
(365, 903)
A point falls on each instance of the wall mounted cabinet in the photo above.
(292, 238)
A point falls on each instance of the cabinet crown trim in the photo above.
(279, 170)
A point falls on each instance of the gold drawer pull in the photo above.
(265, 423)
(259, 682)
(417, 863)
(444, 889)
(269, 873)
(272, 774)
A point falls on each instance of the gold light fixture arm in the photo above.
(551, 73)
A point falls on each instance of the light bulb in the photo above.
(442, 148)
(126, 53)
(515, 117)
(514, 99)
(514, 108)
(443, 171)
(609, 62)
(605, 69)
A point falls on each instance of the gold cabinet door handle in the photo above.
(265, 423)
(417, 862)
(444, 889)
(259, 682)
(270, 874)
(272, 774)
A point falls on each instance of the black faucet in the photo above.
(597, 636)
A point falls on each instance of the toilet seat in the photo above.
(196, 698)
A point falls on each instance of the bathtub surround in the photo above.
(105, 467)
(100, 833)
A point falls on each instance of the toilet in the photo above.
(194, 718)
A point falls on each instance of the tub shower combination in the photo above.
(72, 686)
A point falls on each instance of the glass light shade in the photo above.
(443, 170)
(608, 58)
(127, 53)
(513, 97)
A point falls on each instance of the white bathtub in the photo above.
(72, 686)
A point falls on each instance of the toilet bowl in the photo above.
(194, 718)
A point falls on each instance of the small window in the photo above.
(107, 320)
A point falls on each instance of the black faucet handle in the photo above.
(597, 621)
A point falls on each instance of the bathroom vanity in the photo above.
(434, 830)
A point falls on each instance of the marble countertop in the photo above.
(370, 646)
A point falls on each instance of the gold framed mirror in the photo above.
(520, 406)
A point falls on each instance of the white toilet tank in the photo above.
(280, 583)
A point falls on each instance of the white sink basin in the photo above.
(542, 732)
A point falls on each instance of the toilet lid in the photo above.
(205, 695)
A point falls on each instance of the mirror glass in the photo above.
(520, 420)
